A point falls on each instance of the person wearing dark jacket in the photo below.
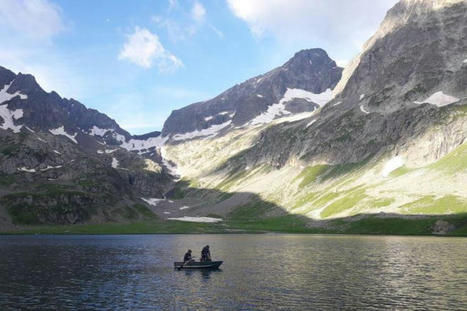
(187, 257)
(205, 254)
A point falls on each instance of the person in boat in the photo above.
(205, 254)
(187, 257)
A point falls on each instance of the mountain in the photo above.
(302, 84)
(391, 141)
(61, 162)
(306, 147)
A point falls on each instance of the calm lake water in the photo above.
(260, 272)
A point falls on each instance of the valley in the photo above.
(378, 147)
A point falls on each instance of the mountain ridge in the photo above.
(388, 137)
(310, 70)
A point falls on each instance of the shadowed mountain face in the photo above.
(309, 70)
(61, 162)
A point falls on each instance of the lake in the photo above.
(260, 272)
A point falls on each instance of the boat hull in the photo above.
(198, 265)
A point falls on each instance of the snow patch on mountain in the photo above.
(9, 116)
(61, 131)
(275, 110)
(133, 144)
(114, 163)
(97, 131)
(152, 201)
(25, 169)
(439, 99)
(143, 144)
(310, 123)
(362, 109)
(196, 219)
(4, 96)
(207, 133)
(278, 110)
(392, 165)
(106, 151)
(321, 99)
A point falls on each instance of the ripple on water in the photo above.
(260, 272)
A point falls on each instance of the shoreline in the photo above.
(419, 225)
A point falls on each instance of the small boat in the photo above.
(198, 265)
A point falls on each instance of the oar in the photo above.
(183, 264)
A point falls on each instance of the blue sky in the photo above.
(138, 60)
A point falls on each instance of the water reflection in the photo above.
(260, 272)
(204, 273)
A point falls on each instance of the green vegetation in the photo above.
(453, 162)
(449, 204)
(234, 177)
(143, 210)
(325, 199)
(343, 169)
(23, 214)
(125, 228)
(252, 218)
(404, 226)
(177, 193)
(252, 211)
(127, 213)
(10, 150)
(310, 174)
(305, 199)
(135, 212)
(52, 205)
(369, 224)
(6, 180)
(351, 198)
(382, 202)
(399, 171)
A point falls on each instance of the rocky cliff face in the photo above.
(295, 85)
(391, 140)
(37, 110)
(61, 162)
(410, 77)
(418, 51)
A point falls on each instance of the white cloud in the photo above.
(342, 62)
(173, 4)
(39, 19)
(144, 49)
(183, 22)
(198, 12)
(351, 22)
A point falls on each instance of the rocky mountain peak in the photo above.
(418, 52)
(291, 88)
(307, 58)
